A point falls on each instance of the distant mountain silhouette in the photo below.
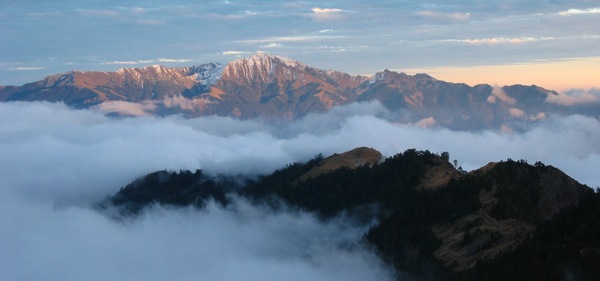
(270, 86)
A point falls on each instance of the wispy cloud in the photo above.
(173, 60)
(341, 48)
(150, 21)
(127, 62)
(272, 45)
(234, 53)
(138, 10)
(326, 10)
(297, 38)
(571, 12)
(500, 40)
(451, 17)
(240, 15)
(98, 12)
(133, 62)
(251, 13)
(322, 14)
(25, 68)
(43, 14)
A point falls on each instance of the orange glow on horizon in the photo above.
(559, 75)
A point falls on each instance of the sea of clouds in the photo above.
(57, 162)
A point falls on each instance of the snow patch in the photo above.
(379, 76)
(261, 66)
(207, 74)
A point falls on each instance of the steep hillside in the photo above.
(505, 220)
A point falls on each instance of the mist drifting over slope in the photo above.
(56, 162)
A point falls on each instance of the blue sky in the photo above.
(40, 38)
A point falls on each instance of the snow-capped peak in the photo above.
(206, 74)
(260, 66)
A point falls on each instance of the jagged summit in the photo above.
(201, 72)
(264, 57)
(208, 73)
(263, 67)
(283, 86)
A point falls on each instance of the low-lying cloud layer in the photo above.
(243, 242)
(576, 97)
(56, 162)
(89, 155)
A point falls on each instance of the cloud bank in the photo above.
(576, 97)
(56, 162)
(91, 155)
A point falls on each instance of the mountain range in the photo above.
(428, 219)
(274, 87)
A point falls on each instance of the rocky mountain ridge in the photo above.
(83, 89)
(268, 86)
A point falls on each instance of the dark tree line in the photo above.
(182, 188)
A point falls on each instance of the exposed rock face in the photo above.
(277, 87)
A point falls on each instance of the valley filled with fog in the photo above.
(57, 163)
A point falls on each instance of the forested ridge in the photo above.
(513, 220)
